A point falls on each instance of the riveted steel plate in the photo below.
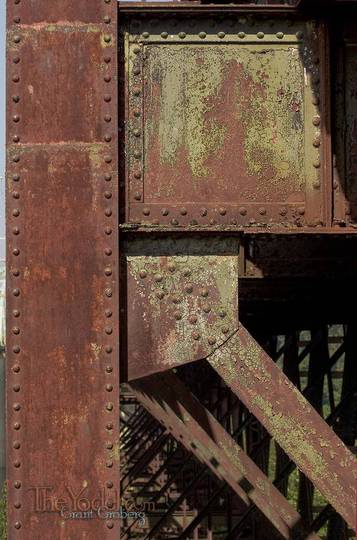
(223, 122)
(62, 321)
(182, 300)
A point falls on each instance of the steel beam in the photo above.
(287, 415)
(62, 262)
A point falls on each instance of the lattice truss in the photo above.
(183, 499)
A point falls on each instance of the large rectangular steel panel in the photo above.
(223, 122)
(62, 324)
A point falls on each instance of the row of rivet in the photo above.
(221, 211)
(15, 271)
(108, 252)
(222, 35)
(135, 99)
(316, 121)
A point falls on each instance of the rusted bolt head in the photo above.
(211, 340)
(143, 274)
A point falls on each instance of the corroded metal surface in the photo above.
(211, 110)
(62, 373)
(290, 419)
(166, 397)
(182, 300)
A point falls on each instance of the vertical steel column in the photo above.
(62, 357)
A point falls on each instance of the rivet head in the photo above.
(206, 308)
(107, 195)
(16, 292)
(16, 212)
(243, 211)
(137, 132)
(158, 278)
(15, 78)
(146, 211)
(107, 19)
(16, 313)
(17, 20)
(222, 313)
(107, 118)
(107, 78)
(108, 251)
(241, 35)
(316, 121)
(109, 406)
(182, 35)
(17, 445)
(107, 59)
(17, 463)
(176, 300)
(109, 387)
(16, 388)
(137, 154)
(143, 274)
(16, 177)
(196, 336)
(211, 340)
(174, 222)
(317, 142)
(164, 35)
(107, 38)
(204, 293)
(136, 49)
(16, 118)
(137, 175)
(107, 177)
(283, 212)
(108, 293)
(16, 272)
(109, 464)
(280, 35)
(17, 525)
(202, 35)
(109, 427)
(17, 39)
(192, 319)
(177, 315)
(17, 505)
(171, 266)
(17, 426)
(221, 35)
(315, 100)
(260, 35)
(108, 231)
(16, 349)
(16, 368)
(316, 185)
(16, 138)
(16, 252)
(222, 211)
(108, 313)
(109, 484)
(108, 349)
(203, 212)
(109, 369)
(17, 484)
(136, 91)
(183, 211)
(108, 212)
(225, 330)
(137, 196)
(317, 164)
(108, 330)
(164, 212)
(160, 295)
(189, 288)
(145, 35)
(15, 99)
(301, 211)
(299, 35)
(262, 211)
(110, 524)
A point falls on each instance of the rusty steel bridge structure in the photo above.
(181, 270)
